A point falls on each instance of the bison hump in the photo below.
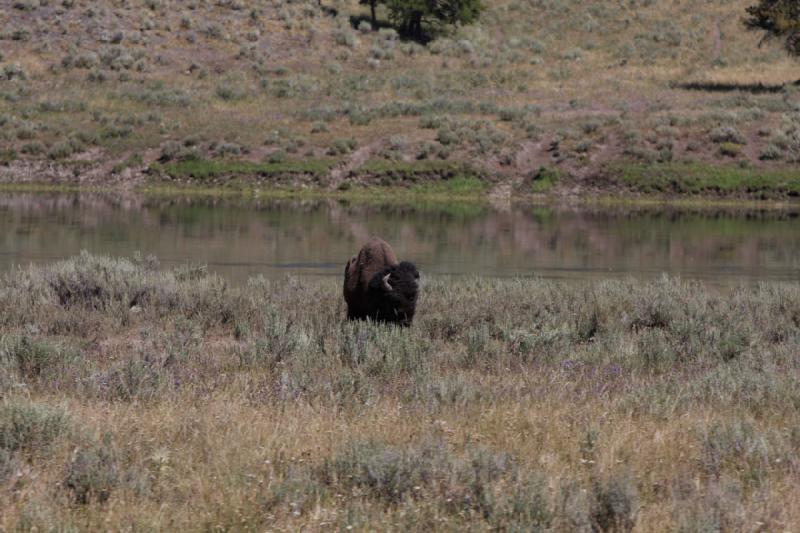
(373, 257)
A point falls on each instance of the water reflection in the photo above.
(241, 238)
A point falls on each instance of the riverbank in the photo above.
(683, 183)
(163, 399)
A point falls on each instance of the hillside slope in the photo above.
(102, 91)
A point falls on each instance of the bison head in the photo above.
(395, 290)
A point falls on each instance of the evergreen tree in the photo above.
(410, 15)
(779, 19)
(373, 4)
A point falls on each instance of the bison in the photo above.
(379, 287)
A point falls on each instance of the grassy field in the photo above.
(139, 398)
(307, 94)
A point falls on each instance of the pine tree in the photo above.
(410, 16)
(373, 4)
(780, 19)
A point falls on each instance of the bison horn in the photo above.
(386, 282)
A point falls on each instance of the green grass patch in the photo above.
(7, 156)
(545, 179)
(458, 186)
(132, 161)
(428, 177)
(204, 169)
(442, 202)
(415, 167)
(730, 149)
(700, 178)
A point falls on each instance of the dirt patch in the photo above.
(357, 158)
(716, 39)
(533, 155)
(79, 172)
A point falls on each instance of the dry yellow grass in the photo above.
(509, 404)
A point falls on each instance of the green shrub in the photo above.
(175, 151)
(225, 149)
(615, 503)
(591, 126)
(97, 76)
(12, 72)
(345, 38)
(730, 149)
(7, 156)
(64, 149)
(584, 146)
(33, 358)
(87, 60)
(228, 91)
(116, 131)
(92, 474)
(279, 342)
(63, 106)
(393, 474)
(319, 127)
(8, 464)
(26, 132)
(26, 5)
(727, 134)
(33, 148)
(213, 31)
(157, 95)
(278, 156)
(29, 427)
(771, 153)
(142, 377)
(544, 179)
(342, 146)
(739, 447)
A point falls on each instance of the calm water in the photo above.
(239, 238)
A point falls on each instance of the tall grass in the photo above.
(134, 396)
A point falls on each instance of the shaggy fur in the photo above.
(374, 256)
(368, 291)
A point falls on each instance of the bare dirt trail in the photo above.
(716, 38)
(357, 158)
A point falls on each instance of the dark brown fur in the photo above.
(366, 292)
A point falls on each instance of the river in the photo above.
(240, 238)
